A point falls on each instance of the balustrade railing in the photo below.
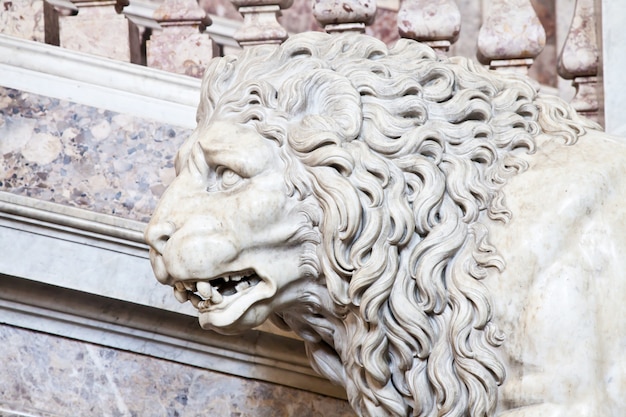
(436, 23)
(260, 23)
(511, 36)
(72, 24)
(338, 16)
(174, 34)
(579, 60)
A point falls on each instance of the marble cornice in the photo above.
(76, 220)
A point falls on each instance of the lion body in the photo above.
(559, 300)
(459, 238)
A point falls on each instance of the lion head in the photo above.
(339, 188)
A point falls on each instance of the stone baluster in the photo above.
(260, 21)
(511, 35)
(579, 60)
(91, 26)
(180, 46)
(344, 15)
(140, 25)
(52, 11)
(436, 23)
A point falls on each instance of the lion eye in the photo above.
(222, 179)
(229, 178)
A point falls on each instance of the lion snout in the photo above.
(196, 249)
(156, 235)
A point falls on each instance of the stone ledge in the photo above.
(99, 82)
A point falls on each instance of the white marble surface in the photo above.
(613, 64)
(560, 298)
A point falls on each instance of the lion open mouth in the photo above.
(204, 294)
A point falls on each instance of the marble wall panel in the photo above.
(48, 376)
(85, 157)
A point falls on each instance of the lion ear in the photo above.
(326, 95)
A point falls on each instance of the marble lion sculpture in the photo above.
(445, 240)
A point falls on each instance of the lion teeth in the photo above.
(242, 286)
(216, 297)
(236, 277)
(205, 289)
(195, 300)
(190, 286)
(181, 296)
(179, 286)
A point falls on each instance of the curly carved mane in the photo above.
(399, 157)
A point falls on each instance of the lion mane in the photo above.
(398, 157)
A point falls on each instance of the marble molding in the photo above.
(260, 24)
(443, 238)
(580, 58)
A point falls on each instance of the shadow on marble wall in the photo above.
(49, 376)
(83, 156)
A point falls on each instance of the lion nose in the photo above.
(157, 235)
